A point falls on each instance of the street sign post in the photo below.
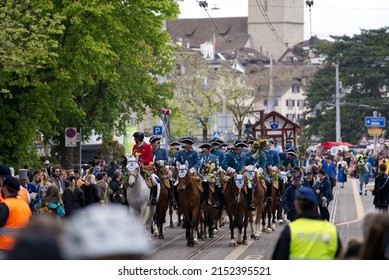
(71, 137)
(375, 121)
(157, 130)
(381, 140)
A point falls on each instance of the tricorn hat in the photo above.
(175, 143)
(187, 140)
(154, 139)
(238, 144)
(205, 146)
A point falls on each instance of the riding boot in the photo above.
(173, 195)
(176, 204)
(154, 191)
(250, 205)
(205, 185)
(219, 197)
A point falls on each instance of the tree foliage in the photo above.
(364, 73)
(88, 63)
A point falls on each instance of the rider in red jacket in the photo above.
(142, 149)
(145, 153)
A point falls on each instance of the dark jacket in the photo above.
(288, 201)
(116, 191)
(381, 190)
(282, 249)
(91, 193)
(73, 200)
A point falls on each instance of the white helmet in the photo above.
(104, 232)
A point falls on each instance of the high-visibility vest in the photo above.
(18, 218)
(22, 193)
(313, 239)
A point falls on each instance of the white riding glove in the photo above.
(33, 196)
(192, 170)
(256, 155)
(231, 170)
(161, 162)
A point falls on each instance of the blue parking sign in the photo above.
(157, 130)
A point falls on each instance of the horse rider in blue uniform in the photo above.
(290, 156)
(235, 161)
(272, 157)
(187, 154)
(160, 155)
(206, 156)
(216, 149)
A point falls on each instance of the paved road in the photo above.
(347, 210)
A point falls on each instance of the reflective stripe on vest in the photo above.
(19, 216)
(313, 239)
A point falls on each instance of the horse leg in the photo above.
(211, 220)
(232, 226)
(257, 225)
(171, 216)
(240, 227)
(268, 226)
(245, 223)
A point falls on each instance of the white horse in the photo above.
(138, 193)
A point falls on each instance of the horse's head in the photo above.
(183, 176)
(132, 170)
(249, 172)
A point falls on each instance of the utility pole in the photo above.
(337, 105)
(375, 137)
(270, 101)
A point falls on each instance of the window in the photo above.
(300, 104)
(290, 117)
(289, 103)
(295, 88)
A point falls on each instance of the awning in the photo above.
(329, 145)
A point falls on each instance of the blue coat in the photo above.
(220, 154)
(160, 154)
(235, 161)
(191, 156)
(288, 161)
(288, 202)
(330, 169)
(33, 189)
(259, 162)
(272, 158)
(204, 158)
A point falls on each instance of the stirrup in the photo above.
(217, 205)
(207, 202)
(153, 201)
(252, 207)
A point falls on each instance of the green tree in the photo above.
(364, 74)
(88, 63)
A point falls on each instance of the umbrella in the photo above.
(329, 145)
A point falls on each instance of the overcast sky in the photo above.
(329, 17)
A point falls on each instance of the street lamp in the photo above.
(309, 3)
(248, 129)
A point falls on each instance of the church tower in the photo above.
(285, 16)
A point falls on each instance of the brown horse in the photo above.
(259, 201)
(236, 206)
(163, 203)
(271, 206)
(190, 200)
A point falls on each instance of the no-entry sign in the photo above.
(70, 137)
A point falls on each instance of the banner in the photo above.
(128, 141)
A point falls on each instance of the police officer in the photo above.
(235, 162)
(160, 155)
(323, 190)
(289, 197)
(205, 156)
(308, 237)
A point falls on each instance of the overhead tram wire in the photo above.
(266, 17)
(204, 4)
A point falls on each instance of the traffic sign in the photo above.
(216, 134)
(363, 141)
(374, 131)
(157, 130)
(70, 137)
(375, 121)
(381, 140)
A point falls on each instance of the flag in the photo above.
(295, 119)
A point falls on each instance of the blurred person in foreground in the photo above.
(104, 234)
(308, 236)
(38, 241)
(14, 212)
(375, 242)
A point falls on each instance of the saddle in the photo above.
(197, 183)
(148, 181)
(167, 182)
